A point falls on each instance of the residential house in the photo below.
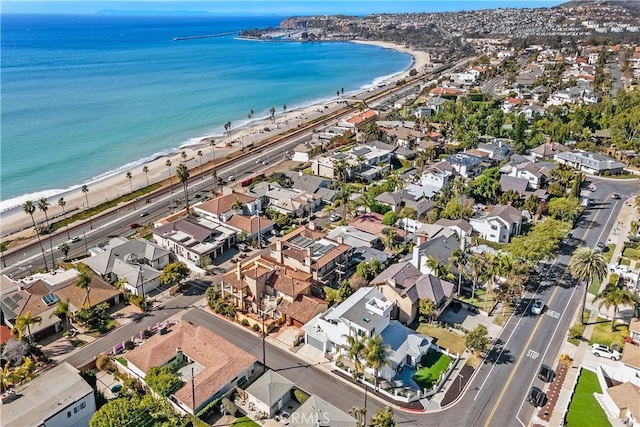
(192, 239)
(422, 112)
(532, 112)
(316, 412)
(138, 262)
(437, 176)
(291, 201)
(40, 299)
(497, 149)
(402, 198)
(466, 164)
(364, 314)
(529, 172)
(366, 254)
(404, 284)
(508, 183)
(312, 252)
(634, 330)
(511, 105)
(366, 161)
(316, 185)
(592, 163)
(57, 397)
(216, 364)
(436, 103)
(359, 119)
(269, 393)
(622, 401)
(440, 248)
(498, 225)
(302, 310)
(353, 237)
(548, 150)
(261, 285)
(461, 227)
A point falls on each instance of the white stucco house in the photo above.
(364, 314)
(498, 225)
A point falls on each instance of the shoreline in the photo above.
(116, 184)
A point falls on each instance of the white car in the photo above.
(335, 217)
(537, 307)
(604, 351)
(75, 239)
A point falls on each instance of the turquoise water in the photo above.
(86, 96)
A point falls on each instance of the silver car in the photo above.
(604, 351)
(537, 307)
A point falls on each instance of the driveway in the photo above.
(470, 320)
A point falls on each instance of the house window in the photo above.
(83, 405)
(68, 414)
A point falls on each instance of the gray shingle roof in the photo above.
(270, 388)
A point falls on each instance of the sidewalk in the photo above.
(618, 236)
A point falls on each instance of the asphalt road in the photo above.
(496, 395)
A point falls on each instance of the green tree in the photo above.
(531, 204)
(452, 209)
(168, 165)
(408, 212)
(62, 310)
(487, 185)
(383, 418)
(183, 175)
(29, 208)
(587, 265)
(614, 295)
(376, 354)
(389, 218)
(83, 280)
(174, 273)
(138, 411)
(355, 351)
(145, 171)
(389, 237)
(458, 259)
(478, 340)
(340, 170)
(511, 197)
(227, 126)
(43, 205)
(427, 309)
(64, 248)
(25, 321)
(437, 268)
(62, 203)
(130, 177)
(564, 208)
(163, 380)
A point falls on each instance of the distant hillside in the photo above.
(629, 4)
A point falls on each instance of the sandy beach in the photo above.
(13, 220)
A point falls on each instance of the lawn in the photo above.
(444, 338)
(602, 333)
(245, 422)
(434, 364)
(579, 327)
(594, 287)
(625, 261)
(631, 253)
(608, 252)
(479, 298)
(584, 409)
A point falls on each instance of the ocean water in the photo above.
(85, 96)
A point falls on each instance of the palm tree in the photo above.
(383, 418)
(8, 377)
(214, 175)
(475, 262)
(62, 203)
(145, 170)
(62, 310)
(85, 191)
(250, 117)
(586, 265)
(341, 91)
(458, 258)
(227, 126)
(376, 352)
(183, 174)
(25, 321)
(168, 164)
(29, 208)
(64, 248)
(284, 108)
(83, 281)
(437, 268)
(356, 351)
(390, 235)
(344, 196)
(272, 114)
(340, 170)
(184, 156)
(614, 296)
(43, 205)
(129, 177)
(199, 153)
(491, 272)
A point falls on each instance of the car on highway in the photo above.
(143, 214)
(134, 225)
(599, 247)
(537, 307)
(615, 196)
(536, 397)
(603, 351)
(231, 178)
(335, 217)
(546, 374)
(75, 239)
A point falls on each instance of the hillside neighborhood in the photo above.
(390, 250)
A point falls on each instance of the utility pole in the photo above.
(193, 396)
(264, 353)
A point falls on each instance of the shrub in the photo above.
(122, 361)
(300, 396)
(146, 334)
(105, 363)
(229, 407)
(575, 332)
(255, 327)
(244, 322)
(162, 380)
(129, 345)
(210, 409)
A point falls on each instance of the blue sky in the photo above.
(267, 7)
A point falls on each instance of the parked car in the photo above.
(242, 247)
(546, 374)
(134, 225)
(600, 247)
(604, 351)
(537, 307)
(536, 397)
(335, 217)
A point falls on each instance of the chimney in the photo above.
(312, 225)
(421, 238)
(547, 140)
(239, 270)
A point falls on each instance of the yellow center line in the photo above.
(533, 333)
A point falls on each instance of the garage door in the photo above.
(316, 343)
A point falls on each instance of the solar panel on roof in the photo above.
(50, 299)
(301, 241)
(10, 302)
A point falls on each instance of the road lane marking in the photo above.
(504, 389)
(533, 354)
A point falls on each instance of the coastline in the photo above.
(13, 219)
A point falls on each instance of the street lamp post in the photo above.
(460, 377)
(264, 353)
